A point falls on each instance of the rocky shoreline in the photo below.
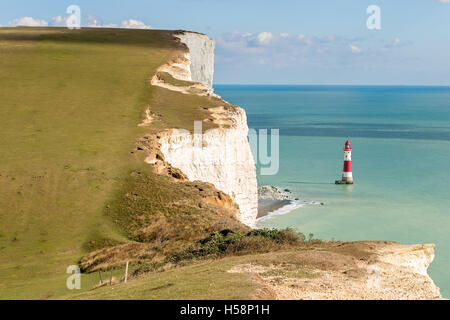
(271, 199)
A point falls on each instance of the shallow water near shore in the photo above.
(401, 161)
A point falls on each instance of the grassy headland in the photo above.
(71, 101)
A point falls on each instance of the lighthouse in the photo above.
(347, 176)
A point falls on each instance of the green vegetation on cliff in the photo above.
(70, 103)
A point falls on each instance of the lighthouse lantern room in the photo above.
(347, 176)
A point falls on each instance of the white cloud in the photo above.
(444, 1)
(304, 52)
(58, 21)
(355, 49)
(265, 37)
(134, 24)
(89, 20)
(28, 22)
(256, 58)
(237, 44)
(283, 45)
(92, 21)
(397, 43)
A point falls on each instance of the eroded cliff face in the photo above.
(222, 155)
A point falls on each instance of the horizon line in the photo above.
(335, 85)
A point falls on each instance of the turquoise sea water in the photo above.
(401, 161)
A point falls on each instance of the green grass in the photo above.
(181, 110)
(70, 105)
(69, 108)
(167, 78)
(211, 279)
(203, 280)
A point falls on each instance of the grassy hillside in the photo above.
(247, 276)
(70, 103)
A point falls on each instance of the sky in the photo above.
(284, 41)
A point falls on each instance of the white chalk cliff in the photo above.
(201, 56)
(221, 156)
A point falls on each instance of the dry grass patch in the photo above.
(161, 215)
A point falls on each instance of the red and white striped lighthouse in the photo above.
(347, 176)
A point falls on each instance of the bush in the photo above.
(287, 235)
(215, 244)
(248, 245)
(230, 242)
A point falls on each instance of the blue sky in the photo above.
(284, 42)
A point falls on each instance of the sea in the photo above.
(400, 137)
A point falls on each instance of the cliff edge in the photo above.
(348, 271)
(220, 155)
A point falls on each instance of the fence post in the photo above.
(100, 274)
(126, 272)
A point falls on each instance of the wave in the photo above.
(291, 206)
